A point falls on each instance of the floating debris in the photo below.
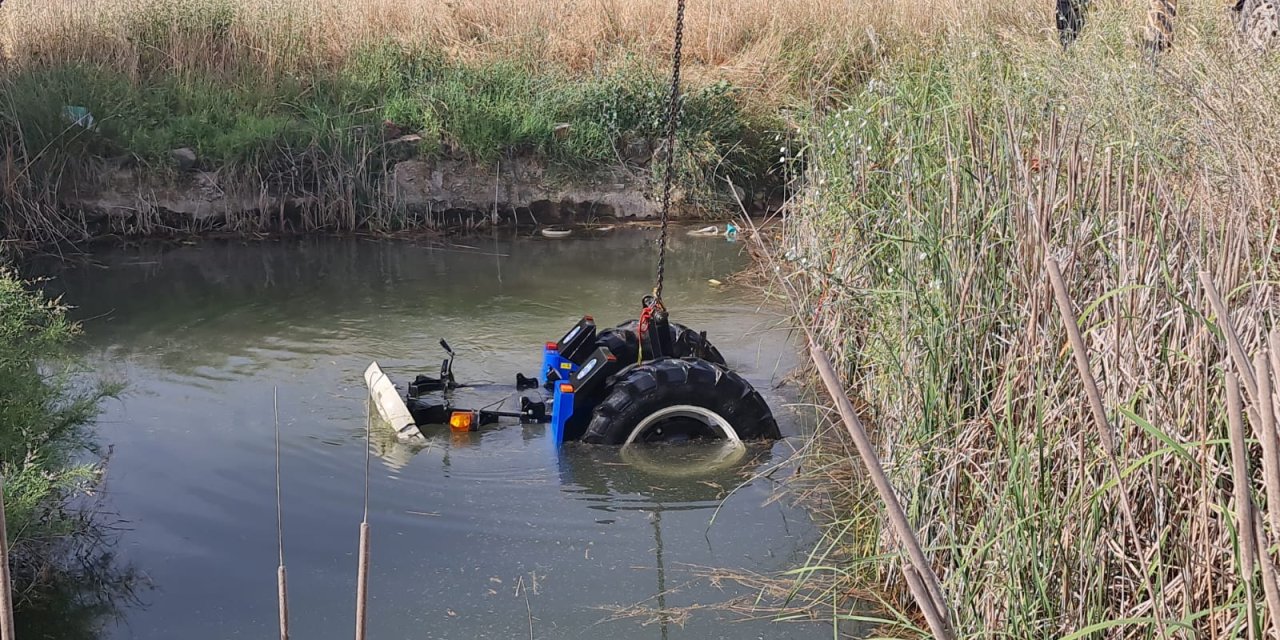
(80, 117)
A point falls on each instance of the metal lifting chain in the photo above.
(673, 119)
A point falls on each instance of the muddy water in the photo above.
(482, 535)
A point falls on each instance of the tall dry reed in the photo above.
(929, 208)
(757, 43)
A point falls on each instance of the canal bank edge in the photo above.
(426, 192)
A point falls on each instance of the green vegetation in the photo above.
(329, 125)
(42, 436)
(485, 110)
(930, 202)
(940, 151)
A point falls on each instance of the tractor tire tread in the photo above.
(640, 390)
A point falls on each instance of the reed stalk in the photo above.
(362, 572)
(6, 582)
(1061, 491)
(282, 580)
(1244, 509)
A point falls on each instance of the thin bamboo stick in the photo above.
(1269, 580)
(6, 582)
(1244, 503)
(921, 579)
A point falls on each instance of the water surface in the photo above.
(477, 535)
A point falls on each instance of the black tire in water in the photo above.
(624, 342)
(678, 399)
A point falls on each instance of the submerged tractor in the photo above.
(645, 381)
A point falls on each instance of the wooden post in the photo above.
(6, 583)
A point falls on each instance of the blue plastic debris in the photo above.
(731, 231)
(79, 116)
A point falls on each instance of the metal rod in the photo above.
(368, 449)
(6, 584)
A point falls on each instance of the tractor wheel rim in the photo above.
(706, 416)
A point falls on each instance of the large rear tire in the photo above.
(624, 342)
(679, 399)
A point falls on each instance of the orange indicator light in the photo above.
(461, 420)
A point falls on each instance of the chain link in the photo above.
(673, 120)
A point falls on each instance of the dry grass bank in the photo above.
(774, 46)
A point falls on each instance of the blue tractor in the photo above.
(648, 380)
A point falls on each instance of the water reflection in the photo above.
(206, 335)
(86, 591)
(692, 475)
